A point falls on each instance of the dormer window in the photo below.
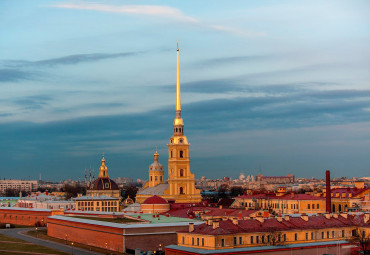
(181, 140)
(107, 185)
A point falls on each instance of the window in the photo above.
(317, 206)
(257, 239)
(197, 241)
(306, 236)
(240, 240)
(183, 239)
(161, 178)
(156, 178)
(106, 185)
(235, 239)
(311, 235)
(322, 235)
(222, 242)
(342, 233)
(181, 172)
(171, 151)
(295, 236)
(308, 206)
(327, 234)
(263, 239)
(151, 178)
(354, 233)
(284, 237)
(192, 241)
(252, 241)
(332, 234)
(202, 241)
(279, 238)
(313, 206)
(181, 190)
(181, 154)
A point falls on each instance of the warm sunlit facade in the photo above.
(230, 234)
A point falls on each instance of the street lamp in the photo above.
(72, 247)
(37, 233)
(66, 238)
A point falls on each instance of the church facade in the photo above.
(180, 186)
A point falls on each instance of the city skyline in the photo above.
(266, 88)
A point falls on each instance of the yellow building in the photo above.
(229, 234)
(180, 186)
(97, 203)
(285, 204)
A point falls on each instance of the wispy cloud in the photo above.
(13, 75)
(152, 10)
(68, 60)
(158, 11)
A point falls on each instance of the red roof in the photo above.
(346, 191)
(288, 196)
(272, 224)
(155, 200)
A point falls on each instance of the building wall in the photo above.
(94, 235)
(26, 217)
(98, 205)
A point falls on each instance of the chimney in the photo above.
(304, 217)
(279, 219)
(209, 222)
(292, 194)
(344, 215)
(216, 224)
(220, 207)
(191, 227)
(328, 216)
(235, 221)
(286, 217)
(328, 192)
(335, 215)
(366, 218)
(260, 219)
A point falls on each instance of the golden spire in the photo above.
(178, 100)
(156, 155)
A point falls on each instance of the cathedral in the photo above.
(180, 186)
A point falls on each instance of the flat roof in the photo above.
(123, 225)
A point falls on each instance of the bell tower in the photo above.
(181, 181)
(155, 171)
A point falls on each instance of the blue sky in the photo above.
(271, 87)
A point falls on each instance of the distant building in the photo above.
(45, 201)
(21, 185)
(275, 179)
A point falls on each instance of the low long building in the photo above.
(20, 185)
(280, 231)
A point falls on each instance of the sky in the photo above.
(268, 87)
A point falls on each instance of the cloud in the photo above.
(13, 75)
(69, 60)
(151, 10)
(157, 11)
(33, 102)
(232, 60)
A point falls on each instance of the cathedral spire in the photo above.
(103, 171)
(178, 99)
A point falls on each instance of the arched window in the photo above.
(161, 178)
(151, 178)
(181, 172)
(156, 178)
(171, 151)
(181, 154)
(340, 208)
(182, 190)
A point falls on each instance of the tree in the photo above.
(73, 190)
(129, 190)
(275, 238)
(361, 240)
(236, 191)
(222, 191)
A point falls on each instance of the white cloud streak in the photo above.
(157, 11)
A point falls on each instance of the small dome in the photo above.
(104, 184)
(156, 166)
(155, 200)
